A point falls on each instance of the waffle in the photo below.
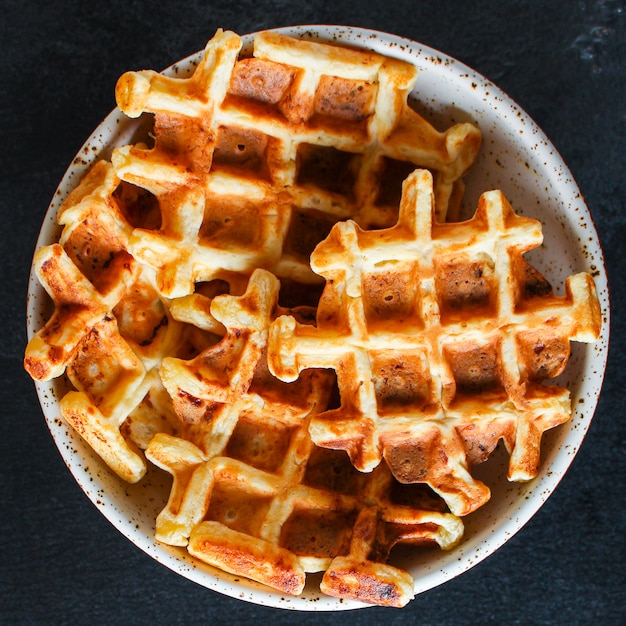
(441, 336)
(255, 158)
(96, 335)
(253, 496)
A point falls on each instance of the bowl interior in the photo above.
(517, 158)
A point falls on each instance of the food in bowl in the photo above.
(273, 297)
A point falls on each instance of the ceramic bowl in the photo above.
(517, 158)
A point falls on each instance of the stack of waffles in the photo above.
(273, 300)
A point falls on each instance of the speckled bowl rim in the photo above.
(516, 157)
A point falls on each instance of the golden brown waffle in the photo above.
(108, 331)
(255, 158)
(441, 336)
(253, 496)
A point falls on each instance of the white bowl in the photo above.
(517, 158)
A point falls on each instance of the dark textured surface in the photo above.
(61, 562)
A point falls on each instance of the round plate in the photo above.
(517, 158)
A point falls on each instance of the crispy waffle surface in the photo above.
(256, 158)
(254, 292)
(254, 496)
(441, 336)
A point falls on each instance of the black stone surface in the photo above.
(61, 562)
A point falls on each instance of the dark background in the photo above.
(61, 562)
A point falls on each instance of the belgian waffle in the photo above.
(252, 495)
(108, 329)
(255, 158)
(441, 335)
